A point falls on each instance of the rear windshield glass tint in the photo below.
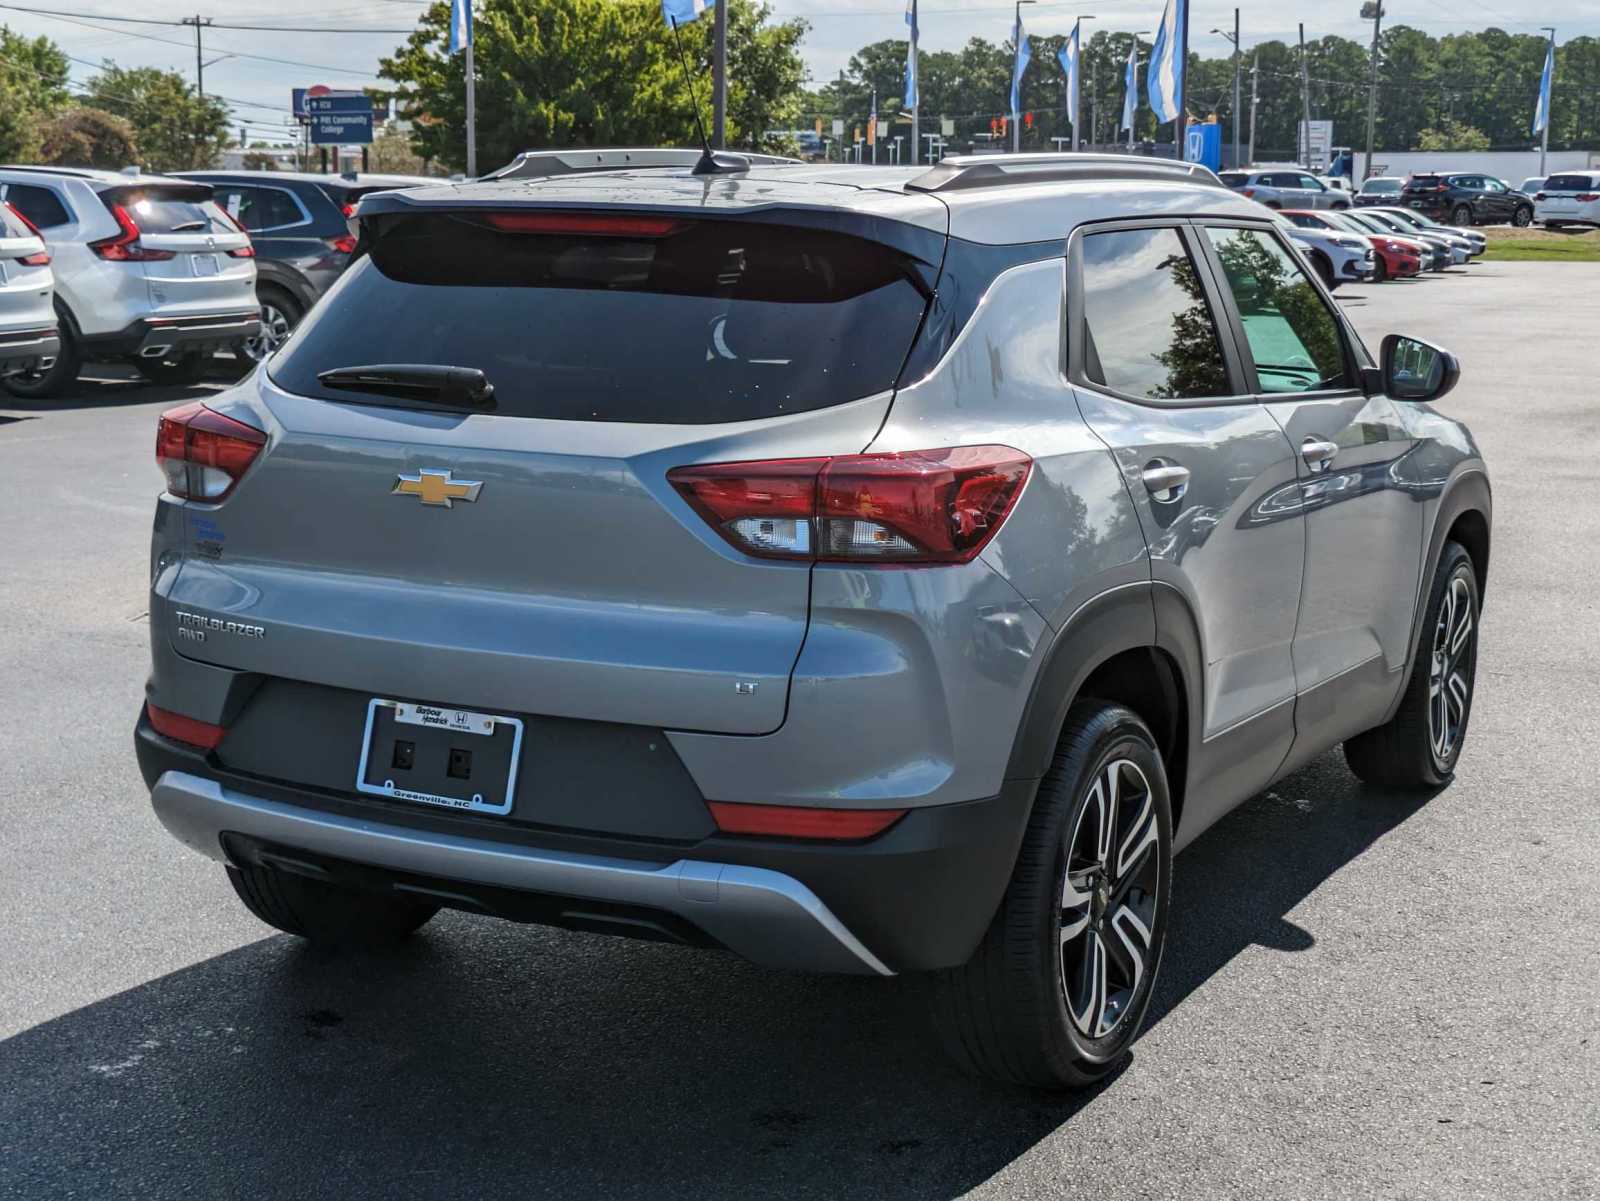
(682, 322)
(1381, 185)
(155, 212)
(1233, 179)
(1569, 183)
(1423, 181)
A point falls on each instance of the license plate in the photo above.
(204, 264)
(454, 758)
(1416, 204)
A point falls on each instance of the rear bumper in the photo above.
(158, 337)
(917, 897)
(28, 350)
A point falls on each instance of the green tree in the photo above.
(175, 129)
(33, 85)
(1452, 135)
(591, 73)
(87, 137)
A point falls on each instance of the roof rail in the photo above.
(75, 172)
(960, 172)
(541, 164)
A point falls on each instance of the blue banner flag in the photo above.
(911, 55)
(1130, 85)
(681, 12)
(1069, 63)
(1541, 115)
(1166, 63)
(1023, 54)
(460, 25)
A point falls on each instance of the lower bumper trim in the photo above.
(766, 916)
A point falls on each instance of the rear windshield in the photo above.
(1569, 183)
(170, 211)
(1234, 179)
(1381, 185)
(1422, 181)
(660, 321)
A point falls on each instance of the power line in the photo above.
(57, 12)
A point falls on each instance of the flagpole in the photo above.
(1549, 103)
(916, 104)
(1181, 123)
(719, 76)
(1077, 81)
(472, 115)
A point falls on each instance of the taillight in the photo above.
(202, 453)
(343, 244)
(1584, 196)
(1249, 192)
(615, 225)
(348, 210)
(184, 729)
(247, 251)
(912, 507)
(42, 259)
(125, 246)
(797, 821)
(1538, 195)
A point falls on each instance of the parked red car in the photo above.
(1395, 258)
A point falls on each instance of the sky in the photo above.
(258, 90)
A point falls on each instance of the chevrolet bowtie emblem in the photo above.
(436, 487)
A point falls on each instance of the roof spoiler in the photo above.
(961, 172)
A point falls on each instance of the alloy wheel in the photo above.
(275, 330)
(1450, 670)
(1522, 218)
(1108, 899)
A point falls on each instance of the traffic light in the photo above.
(1027, 120)
(994, 127)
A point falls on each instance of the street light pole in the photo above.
(199, 67)
(1234, 38)
(719, 77)
(1077, 83)
(1255, 93)
(1305, 97)
(1373, 11)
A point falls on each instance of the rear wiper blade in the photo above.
(457, 387)
(189, 225)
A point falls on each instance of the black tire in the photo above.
(1340, 206)
(176, 371)
(1006, 1013)
(1380, 269)
(1522, 216)
(325, 913)
(1272, 204)
(1324, 271)
(62, 374)
(1405, 753)
(1462, 215)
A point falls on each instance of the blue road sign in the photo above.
(341, 128)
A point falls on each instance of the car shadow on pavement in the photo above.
(488, 1060)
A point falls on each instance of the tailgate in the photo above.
(197, 261)
(535, 559)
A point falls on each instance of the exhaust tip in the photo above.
(154, 352)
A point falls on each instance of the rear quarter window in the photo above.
(1234, 179)
(700, 321)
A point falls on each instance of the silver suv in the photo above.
(1285, 187)
(861, 570)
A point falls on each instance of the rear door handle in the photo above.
(1165, 481)
(1318, 453)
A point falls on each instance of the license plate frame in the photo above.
(204, 266)
(433, 727)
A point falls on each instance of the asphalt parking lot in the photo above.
(1363, 996)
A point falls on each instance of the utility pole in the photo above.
(1016, 57)
(916, 75)
(872, 124)
(719, 78)
(472, 111)
(1094, 103)
(1373, 9)
(1305, 98)
(199, 66)
(1255, 80)
(1237, 64)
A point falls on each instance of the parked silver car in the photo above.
(864, 570)
(1285, 187)
(28, 337)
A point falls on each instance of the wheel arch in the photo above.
(1111, 649)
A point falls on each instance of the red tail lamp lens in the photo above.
(912, 507)
(614, 225)
(796, 821)
(184, 729)
(202, 453)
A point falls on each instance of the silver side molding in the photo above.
(765, 916)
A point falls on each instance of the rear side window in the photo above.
(1234, 179)
(39, 205)
(1148, 328)
(1570, 183)
(622, 317)
(1293, 338)
(258, 208)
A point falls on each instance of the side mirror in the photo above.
(1414, 370)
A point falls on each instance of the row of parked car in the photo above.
(1473, 198)
(162, 271)
(1345, 243)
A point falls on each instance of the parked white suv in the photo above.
(28, 341)
(147, 269)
